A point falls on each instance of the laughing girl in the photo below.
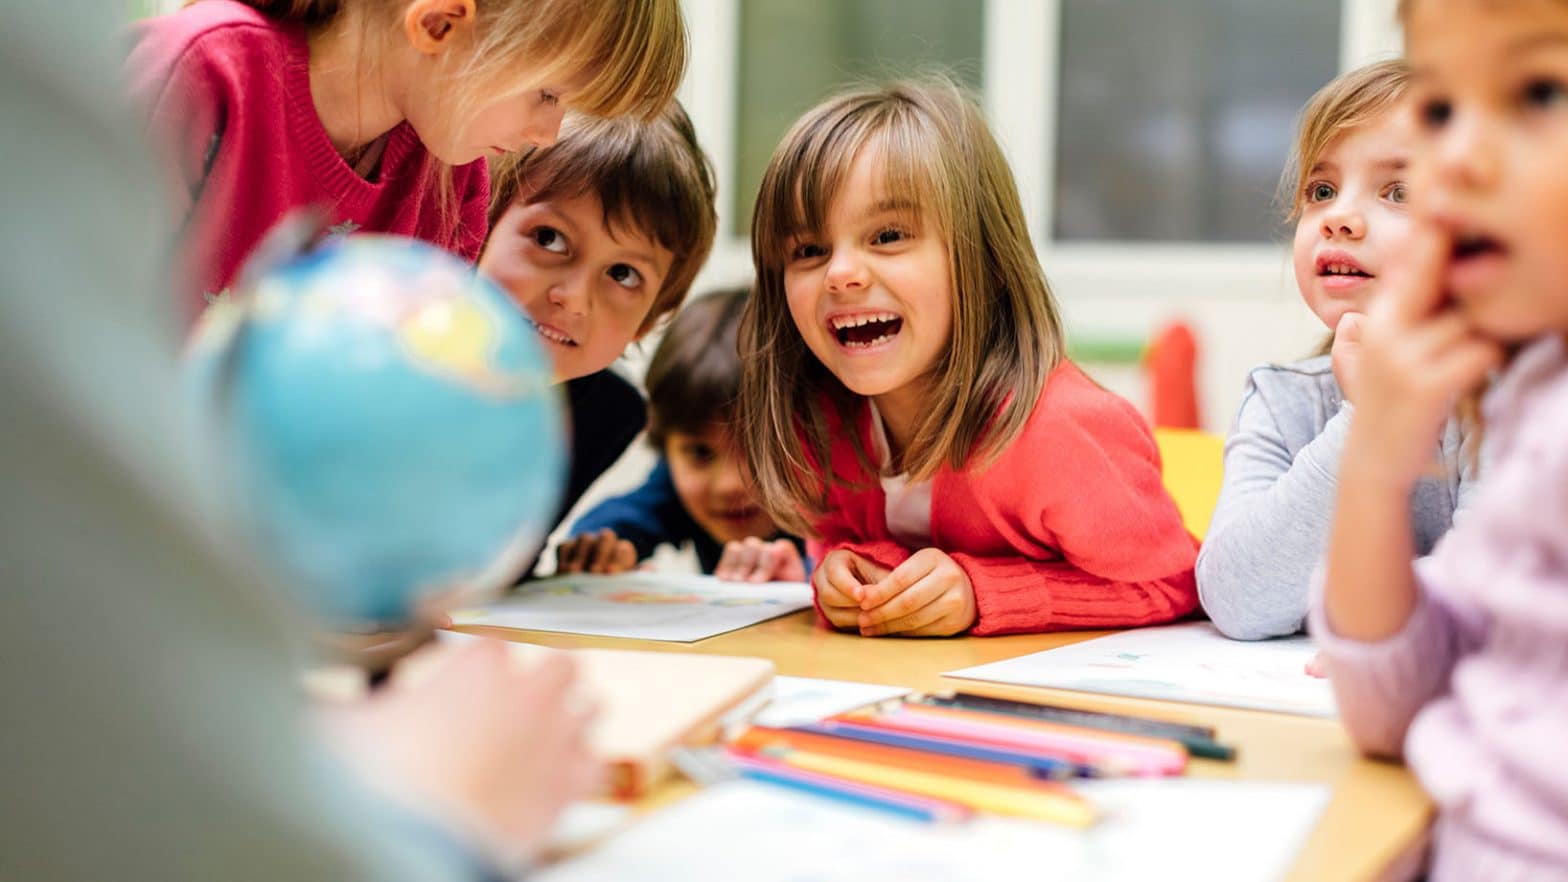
(905, 399)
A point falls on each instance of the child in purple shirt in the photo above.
(1460, 663)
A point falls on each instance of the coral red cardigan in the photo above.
(1068, 527)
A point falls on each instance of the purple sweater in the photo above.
(1474, 690)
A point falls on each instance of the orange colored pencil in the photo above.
(760, 740)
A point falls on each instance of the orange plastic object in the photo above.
(1171, 366)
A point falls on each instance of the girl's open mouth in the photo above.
(1475, 264)
(1471, 246)
(865, 330)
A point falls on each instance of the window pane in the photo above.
(1175, 118)
(794, 53)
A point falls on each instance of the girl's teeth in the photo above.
(869, 343)
(857, 321)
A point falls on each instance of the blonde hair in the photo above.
(650, 176)
(938, 153)
(1349, 101)
(633, 52)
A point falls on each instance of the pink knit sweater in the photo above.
(227, 93)
(1069, 527)
(1474, 690)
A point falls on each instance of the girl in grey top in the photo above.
(1271, 526)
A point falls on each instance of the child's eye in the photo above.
(550, 98)
(1396, 193)
(1435, 113)
(1321, 191)
(1543, 93)
(550, 239)
(625, 275)
(889, 236)
(700, 454)
(807, 251)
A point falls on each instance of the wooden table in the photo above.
(1376, 820)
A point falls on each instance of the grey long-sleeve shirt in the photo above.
(1271, 526)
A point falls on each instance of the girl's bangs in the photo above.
(811, 169)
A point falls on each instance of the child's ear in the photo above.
(431, 25)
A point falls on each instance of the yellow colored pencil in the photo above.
(1058, 807)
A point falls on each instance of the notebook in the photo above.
(650, 702)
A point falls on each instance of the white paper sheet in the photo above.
(1190, 662)
(799, 701)
(1215, 831)
(584, 823)
(644, 606)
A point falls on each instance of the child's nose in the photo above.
(1466, 155)
(544, 126)
(846, 271)
(569, 293)
(729, 483)
(1344, 221)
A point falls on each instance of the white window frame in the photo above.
(1021, 40)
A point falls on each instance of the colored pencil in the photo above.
(1199, 740)
(825, 741)
(1059, 806)
(897, 802)
(1038, 765)
(1127, 754)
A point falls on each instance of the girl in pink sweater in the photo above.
(381, 111)
(1460, 663)
(905, 399)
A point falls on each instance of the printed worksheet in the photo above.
(1180, 829)
(801, 701)
(643, 606)
(1190, 662)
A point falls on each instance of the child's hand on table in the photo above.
(838, 581)
(928, 595)
(755, 560)
(602, 553)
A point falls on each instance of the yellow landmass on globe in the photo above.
(456, 338)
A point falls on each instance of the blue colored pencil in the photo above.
(853, 792)
(1039, 766)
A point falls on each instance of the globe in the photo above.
(387, 425)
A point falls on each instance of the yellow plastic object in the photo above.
(1193, 463)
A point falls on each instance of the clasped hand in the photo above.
(928, 595)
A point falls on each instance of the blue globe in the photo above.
(388, 424)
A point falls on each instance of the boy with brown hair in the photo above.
(597, 238)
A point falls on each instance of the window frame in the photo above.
(1020, 64)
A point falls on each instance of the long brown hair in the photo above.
(938, 153)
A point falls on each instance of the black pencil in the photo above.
(1199, 740)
